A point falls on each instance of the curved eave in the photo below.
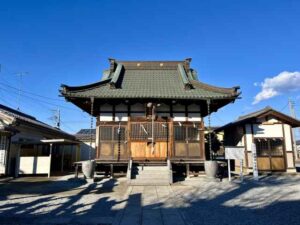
(228, 91)
(220, 93)
(65, 88)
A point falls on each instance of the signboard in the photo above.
(235, 153)
(254, 162)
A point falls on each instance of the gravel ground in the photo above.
(272, 200)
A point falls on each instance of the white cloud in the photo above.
(282, 83)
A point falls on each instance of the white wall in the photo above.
(288, 138)
(139, 110)
(34, 165)
(274, 130)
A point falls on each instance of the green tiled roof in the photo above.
(154, 81)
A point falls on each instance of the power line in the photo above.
(36, 99)
(31, 93)
(21, 74)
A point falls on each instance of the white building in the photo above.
(271, 132)
(29, 146)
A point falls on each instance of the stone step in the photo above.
(149, 171)
(156, 182)
(152, 176)
(151, 168)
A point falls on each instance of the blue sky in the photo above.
(231, 43)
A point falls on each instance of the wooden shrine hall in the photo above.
(149, 111)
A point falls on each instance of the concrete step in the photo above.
(149, 171)
(152, 176)
(151, 168)
(152, 182)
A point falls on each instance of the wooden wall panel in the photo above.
(138, 149)
(106, 150)
(278, 163)
(180, 149)
(144, 150)
(263, 163)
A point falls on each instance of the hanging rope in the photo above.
(91, 130)
(119, 141)
(209, 130)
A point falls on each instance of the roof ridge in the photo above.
(267, 108)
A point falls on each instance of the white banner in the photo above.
(235, 153)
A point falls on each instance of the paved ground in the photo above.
(273, 200)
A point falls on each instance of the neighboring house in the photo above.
(271, 132)
(150, 111)
(87, 138)
(29, 146)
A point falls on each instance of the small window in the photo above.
(119, 134)
(106, 133)
(179, 133)
(269, 146)
(276, 147)
(262, 148)
(143, 131)
(193, 134)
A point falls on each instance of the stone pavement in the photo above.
(65, 201)
(146, 205)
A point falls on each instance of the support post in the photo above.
(187, 170)
(62, 158)
(111, 170)
(50, 157)
(241, 170)
(229, 170)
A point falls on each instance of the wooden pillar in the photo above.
(50, 157)
(128, 137)
(202, 138)
(171, 138)
(62, 158)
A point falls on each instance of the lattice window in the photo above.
(269, 146)
(119, 133)
(106, 133)
(276, 147)
(143, 131)
(179, 133)
(193, 134)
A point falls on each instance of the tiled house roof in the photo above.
(150, 79)
(85, 135)
(267, 111)
(19, 117)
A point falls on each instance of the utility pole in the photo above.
(21, 74)
(293, 114)
(56, 118)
